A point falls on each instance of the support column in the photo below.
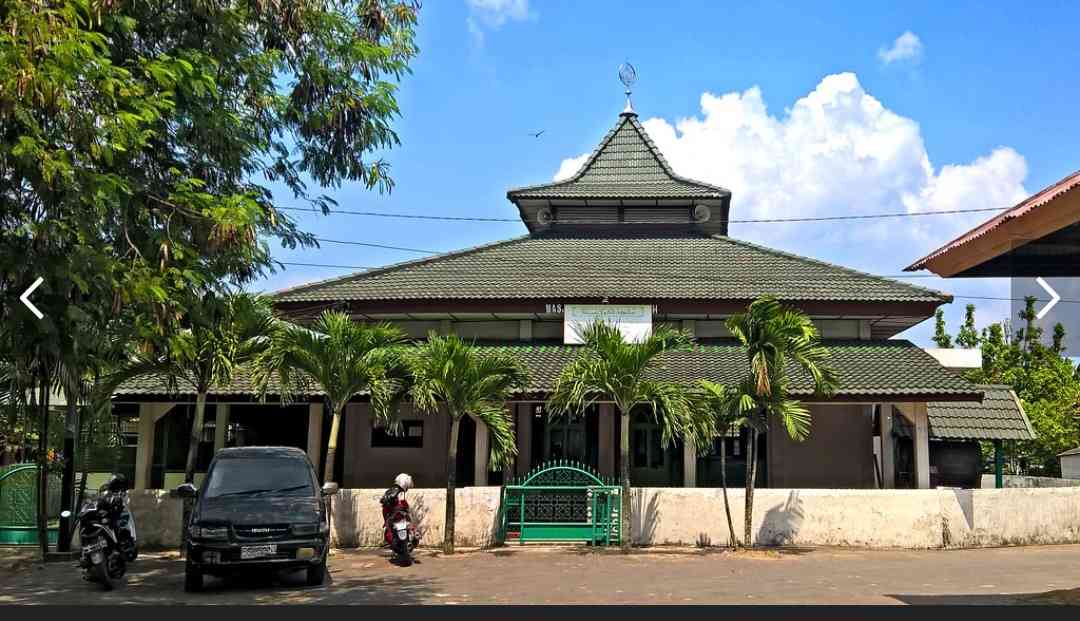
(483, 452)
(689, 465)
(221, 425)
(605, 453)
(888, 450)
(999, 465)
(524, 437)
(314, 434)
(149, 415)
(921, 442)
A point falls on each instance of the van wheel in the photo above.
(316, 574)
(193, 578)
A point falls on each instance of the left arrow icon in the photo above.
(25, 297)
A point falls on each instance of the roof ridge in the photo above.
(643, 135)
(790, 255)
(399, 265)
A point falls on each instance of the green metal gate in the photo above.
(561, 500)
(18, 504)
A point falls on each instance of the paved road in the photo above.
(817, 576)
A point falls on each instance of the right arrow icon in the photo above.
(1054, 297)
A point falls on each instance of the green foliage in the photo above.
(447, 371)
(776, 337)
(139, 142)
(610, 368)
(941, 337)
(339, 356)
(1046, 383)
(968, 336)
(342, 358)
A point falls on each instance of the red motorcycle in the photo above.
(399, 531)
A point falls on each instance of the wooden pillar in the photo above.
(888, 447)
(999, 464)
(221, 425)
(921, 442)
(314, 434)
(689, 465)
(605, 450)
(483, 452)
(524, 437)
(149, 415)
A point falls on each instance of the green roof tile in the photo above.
(999, 417)
(555, 266)
(626, 165)
(872, 369)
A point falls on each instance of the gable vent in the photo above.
(656, 215)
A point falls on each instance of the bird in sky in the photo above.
(537, 134)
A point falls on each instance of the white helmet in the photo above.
(403, 481)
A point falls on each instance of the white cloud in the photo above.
(907, 46)
(837, 150)
(485, 15)
(570, 166)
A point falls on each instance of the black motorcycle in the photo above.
(107, 534)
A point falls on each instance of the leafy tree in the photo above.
(775, 338)
(1045, 381)
(339, 356)
(139, 142)
(610, 368)
(968, 336)
(941, 337)
(448, 372)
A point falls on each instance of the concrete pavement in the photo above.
(1043, 574)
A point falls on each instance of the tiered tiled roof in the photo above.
(891, 368)
(650, 266)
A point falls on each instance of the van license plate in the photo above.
(250, 552)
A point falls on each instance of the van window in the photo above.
(260, 476)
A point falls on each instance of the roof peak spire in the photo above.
(628, 75)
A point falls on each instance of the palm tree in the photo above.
(775, 338)
(467, 382)
(222, 335)
(610, 368)
(342, 357)
(720, 403)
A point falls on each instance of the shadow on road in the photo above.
(972, 599)
(160, 581)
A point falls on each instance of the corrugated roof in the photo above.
(1000, 416)
(1075, 451)
(627, 265)
(889, 368)
(625, 165)
(1040, 198)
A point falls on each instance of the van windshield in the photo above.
(260, 476)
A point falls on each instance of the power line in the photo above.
(870, 216)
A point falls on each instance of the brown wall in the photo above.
(838, 454)
(366, 466)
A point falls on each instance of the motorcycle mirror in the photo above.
(186, 490)
(329, 488)
(65, 514)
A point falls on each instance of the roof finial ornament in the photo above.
(628, 75)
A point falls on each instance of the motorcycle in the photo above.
(107, 534)
(398, 531)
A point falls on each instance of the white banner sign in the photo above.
(633, 320)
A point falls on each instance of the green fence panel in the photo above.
(561, 500)
(18, 504)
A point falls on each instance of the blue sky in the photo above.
(800, 109)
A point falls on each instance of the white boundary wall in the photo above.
(695, 516)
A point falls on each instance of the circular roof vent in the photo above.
(543, 216)
(702, 213)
